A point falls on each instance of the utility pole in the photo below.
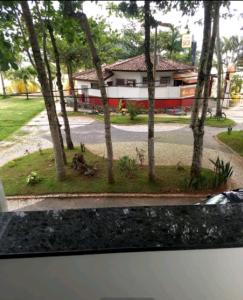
(155, 45)
(155, 52)
(194, 50)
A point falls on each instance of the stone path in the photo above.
(33, 136)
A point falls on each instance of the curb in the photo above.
(104, 195)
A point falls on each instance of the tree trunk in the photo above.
(219, 85)
(49, 103)
(151, 92)
(71, 85)
(26, 90)
(3, 85)
(26, 49)
(48, 68)
(60, 88)
(203, 84)
(97, 63)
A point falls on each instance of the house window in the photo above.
(178, 82)
(164, 81)
(120, 82)
(145, 80)
(94, 85)
(131, 82)
(109, 83)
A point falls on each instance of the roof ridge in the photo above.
(123, 61)
(175, 61)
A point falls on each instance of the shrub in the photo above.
(133, 111)
(127, 165)
(140, 156)
(33, 178)
(197, 183)
(223, 171)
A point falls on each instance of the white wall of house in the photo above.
(138, 76)
(80, 84)
(139, 93)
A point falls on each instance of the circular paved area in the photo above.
(144, 128)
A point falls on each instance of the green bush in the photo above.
(197, 183)
(133, 111)
(223, 171)
(33, 178)
(127, 165)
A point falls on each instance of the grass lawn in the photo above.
(15, 112)
(15, 172)
(233, 140)
(143, 119)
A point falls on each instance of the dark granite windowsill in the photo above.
(105, 230)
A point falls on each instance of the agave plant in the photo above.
(223, 171)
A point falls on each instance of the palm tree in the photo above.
(25, 74)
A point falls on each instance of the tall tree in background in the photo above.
(7, 59)
(151, 91)
(211, 12)
(47, 64)
(219, 71)
(49, 103)
(60, 87)
(81, 17)
(25, 74)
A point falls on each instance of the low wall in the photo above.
(158, 103)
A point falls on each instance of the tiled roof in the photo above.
(90, 75)
(135, 64)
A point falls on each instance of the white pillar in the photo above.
(3, 201)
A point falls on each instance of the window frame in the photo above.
(120, 79)
(165, 83)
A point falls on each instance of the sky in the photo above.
(228, 27)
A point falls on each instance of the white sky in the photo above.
(228, 27)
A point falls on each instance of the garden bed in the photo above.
(15, 173)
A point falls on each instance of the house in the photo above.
(126, 81)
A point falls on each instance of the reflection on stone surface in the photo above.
(121, 229)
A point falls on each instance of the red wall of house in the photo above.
(159, 103)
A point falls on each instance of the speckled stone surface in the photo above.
(107, 230)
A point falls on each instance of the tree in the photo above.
(7, 58)
(25, 74)
(219, 71)
(131, 42)
(211, 12)
(151, 91)
(50, 78)
(231, 49)
(60, 87)
(81, 17)
(49, 103)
